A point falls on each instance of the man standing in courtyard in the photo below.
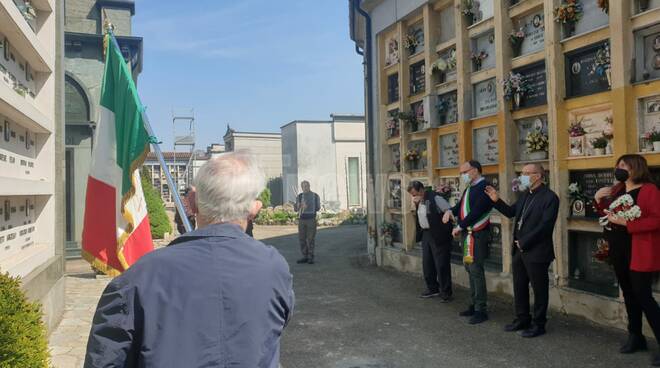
(307, 205)
(436, 241)
(533, 251)
(214, 298)
(472, 217)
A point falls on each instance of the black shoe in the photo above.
(634, 343)
(445, 298)
(302, 260)
(533, 331)
(656, 361)
(429, 294)
(517, 325)
(468, 312)
(478, 317)
(310, 261)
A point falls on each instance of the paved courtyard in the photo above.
(351, 315)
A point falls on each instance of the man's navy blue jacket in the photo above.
(214, 298)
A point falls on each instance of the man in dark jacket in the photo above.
(215, 298)
(436, 241)
(535, 214)
(472, 217)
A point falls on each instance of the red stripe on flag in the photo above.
(139, 243)
(99, 238)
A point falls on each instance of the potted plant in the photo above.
(602, 65)
(478, 59)
(468, 11)
(516, 38)
(604, 5)
(515, 88)
(654, 137)
(410, 43)
(536, 143)
(599, 144)
(568, 13)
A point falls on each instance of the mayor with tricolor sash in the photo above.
(472, 217)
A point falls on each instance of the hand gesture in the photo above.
(456, 232)
(416, 199)
(492, 193)
(448, 216)
(602, 193)
(614, 219)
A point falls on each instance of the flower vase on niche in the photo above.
(569, 29)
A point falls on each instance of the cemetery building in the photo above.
(32, 150)
(267, 148)
(441, 81)
(84, 63)
(331, 156)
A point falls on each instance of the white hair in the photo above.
(227, 186)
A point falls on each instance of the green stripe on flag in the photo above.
(119, 95)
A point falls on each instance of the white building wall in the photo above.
(290, 183)
(317, 161)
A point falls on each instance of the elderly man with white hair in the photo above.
(215, 298)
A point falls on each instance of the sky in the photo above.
(253, 64)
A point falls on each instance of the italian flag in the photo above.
(116, 230)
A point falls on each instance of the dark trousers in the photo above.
(436, 264)
(478, 291)
(524, 273)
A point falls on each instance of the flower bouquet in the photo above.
(439, 65)
(602, 65)
(576, 129)
(478, 59)
(602, 253)
(569, 13)
(410, 42)
(623, 207)
(653, 136)
(412, 155)
(516, 38)
(392, 127)
(515, 184)
(536, 141)
(515, 87)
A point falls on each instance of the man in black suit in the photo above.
(436, 241)
(533, 250)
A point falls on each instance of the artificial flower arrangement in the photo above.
(602, 253)
(652, 136)
(569, 12)
(516, 38)
(439, 65)
(536, 141)
(623, 207)
(412, 155)
(410, 42)
(575, 192)
(515, 184)
(576, 129)
(478, 58)
(514, 84)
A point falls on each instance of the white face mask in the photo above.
(525, 182)
(466, 178)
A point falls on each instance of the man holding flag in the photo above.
(473, 225)
(116, 230)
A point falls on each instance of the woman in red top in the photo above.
(635, 244)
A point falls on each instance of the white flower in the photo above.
(573, 188)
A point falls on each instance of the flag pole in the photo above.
(154, 143)
(170, 182)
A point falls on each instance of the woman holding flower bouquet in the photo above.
(631, 216)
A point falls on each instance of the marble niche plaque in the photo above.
(594, 123)
(448, 146)
(592, 17)
(647, 53)
(649, 119)
(417, 78)
(447, 25)
(447, 108)
(586, 272)
(581, 79)
(486, 145)
(393, 88)
(485, 98)
(525, 126)
(391, 50)
(535, 77)
(534, 28)
(484, 43)
(590, 181)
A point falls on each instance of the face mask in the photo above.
(525, 182)
(466, 178)
(621, 174)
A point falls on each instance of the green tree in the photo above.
(23, 342)
(160, 223)
(265, 196)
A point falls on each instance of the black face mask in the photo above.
(621, 174)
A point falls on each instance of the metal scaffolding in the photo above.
(183, 127)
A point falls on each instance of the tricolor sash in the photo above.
(468, 242)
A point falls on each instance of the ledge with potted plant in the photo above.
(568, 14)
(515, 88)
(516, 39)
(600, 144)
(536, 143)
(653, 136)
(478, 59)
